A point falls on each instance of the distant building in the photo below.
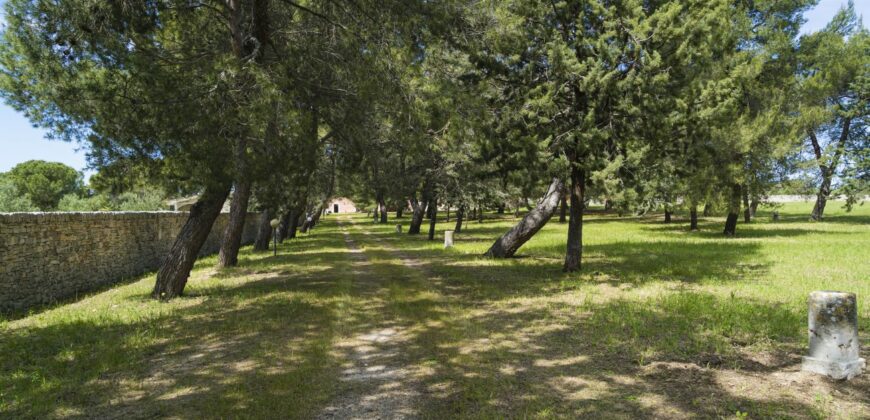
(340, 205)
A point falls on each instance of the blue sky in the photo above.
(20, 141)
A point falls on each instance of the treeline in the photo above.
(38, 185)
(282, 104)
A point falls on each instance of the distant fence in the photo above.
(45, 257)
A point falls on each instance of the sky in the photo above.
(20, 141)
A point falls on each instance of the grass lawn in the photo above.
(356, 320)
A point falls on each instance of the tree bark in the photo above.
(460, 214)
(433, 217)
(500, 209)
(418, 212)
(399, 211)
(667, 215)
(753, 207)
(509, 243)
(448, 213)
(284, 226)
(733, 211)
(829, 169)
(693, 217)
(480, 215)
(708, 209)
(383, 208)
(574, 253)
(173, 273)
(293, 221)
(563, 211)
(264, 232)
(232, 240)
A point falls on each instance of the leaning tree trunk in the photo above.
(574, 253)
(433, 217)
(232, 240)
(733, 211)
(173, 273)
(264, 232)
(693, 217)
(829, 169)
(509, 243)
(747, 214)
(460, 214)
(418, 213)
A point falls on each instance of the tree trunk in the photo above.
(693, 217)
(509, 243)
(753, 207)
(295, 215)
(383, 209)
(708, 209)
(399, 211)
(733, 211)
(173, 273)
(375, 212)
(500, 209)
(418, 212)
(264, 232)
(460, 214)
(448, 213)
(747, 216)
(284, 226)
(232, 240)
(563, 211)
(829, 169)
(480, 215)
(433, 217)
(667, 215)
(574, 253)
(822, 197)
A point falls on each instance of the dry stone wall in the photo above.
(45, 257)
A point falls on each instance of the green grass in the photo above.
(661, 322)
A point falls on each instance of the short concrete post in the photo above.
(448, 239)
(398, 228)
(833, 331)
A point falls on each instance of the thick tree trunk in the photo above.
(747, 215)
(433, 217)
(574, 253)
(294, 221)
(500, 209)
(264, 232)
(509, 243)
(733, 211)
(232, 240)
(418, 212)
(284, 226)
(708, 209)
(460, 215)
(693, 217)
(822, 197)
(753, 207)
(173, 273)
(383, 209)
(563, 210)
(667, 215)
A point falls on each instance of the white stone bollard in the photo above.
(398, 228)
(833, 331)
(448, 239)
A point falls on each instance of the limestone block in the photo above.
(833, 334)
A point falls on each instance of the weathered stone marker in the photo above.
(398, 228)
(448, 239)
(833, 331)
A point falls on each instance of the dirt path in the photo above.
(380, 386)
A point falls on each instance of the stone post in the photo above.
(833, 332)
(398, 228)
(448, 239)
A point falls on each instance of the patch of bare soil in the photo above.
(379, 384)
